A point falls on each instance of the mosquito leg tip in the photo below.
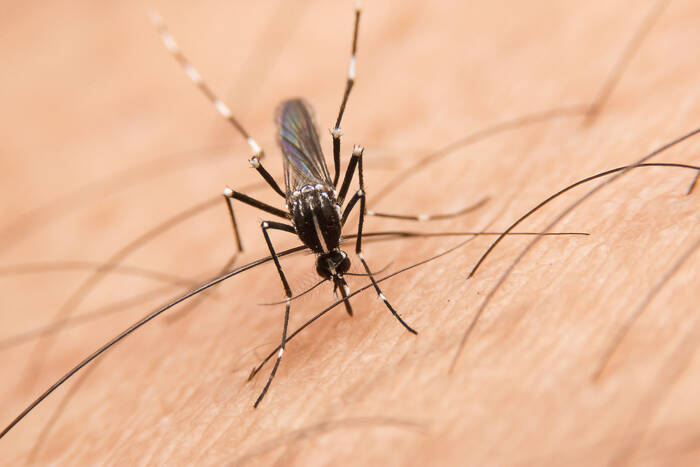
(406, 326)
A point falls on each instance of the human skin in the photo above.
(91, 92)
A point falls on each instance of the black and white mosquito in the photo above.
(316, 209)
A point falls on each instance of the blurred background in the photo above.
(104, 137)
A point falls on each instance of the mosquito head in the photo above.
(332, 264)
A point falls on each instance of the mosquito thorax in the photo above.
(315, 214)
(332, 264)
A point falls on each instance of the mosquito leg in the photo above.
(228, 195)
(335, 132)
(288, 292)
(234, 224)
(257, 165)
(349, 172)
(431, 217)
(361, 196)
(231, 194)
(256, 151)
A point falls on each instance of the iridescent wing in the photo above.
(303, 159)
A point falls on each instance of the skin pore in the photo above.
(93, 93)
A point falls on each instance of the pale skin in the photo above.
(93, 93)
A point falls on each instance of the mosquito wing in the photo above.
(298, 138)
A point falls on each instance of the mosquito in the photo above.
(316, 208)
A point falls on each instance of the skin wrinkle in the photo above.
(425, 76)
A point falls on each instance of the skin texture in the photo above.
(91, 93)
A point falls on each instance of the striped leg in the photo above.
(335, 132)
(430, 217)
(256, 151)
(288, 292)
(360, 196)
